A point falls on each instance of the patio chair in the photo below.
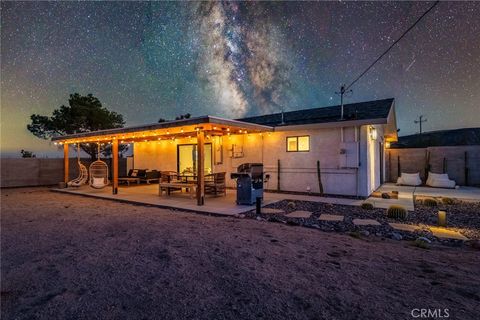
(215, 184)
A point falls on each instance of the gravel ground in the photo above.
(71, 257)
(463, 217)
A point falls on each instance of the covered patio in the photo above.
(194, 130)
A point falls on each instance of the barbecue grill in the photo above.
(249, 178)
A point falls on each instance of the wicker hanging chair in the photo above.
(82, 170)
(98, 173)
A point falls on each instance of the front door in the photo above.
(187, 159)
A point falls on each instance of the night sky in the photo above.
(148, 60)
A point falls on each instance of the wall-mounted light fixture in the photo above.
(387, 145)
(373, 133)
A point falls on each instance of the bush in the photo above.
(397, 212)
(430, 202)
(367, 206)
(448, 201)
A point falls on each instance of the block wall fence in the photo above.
(462, 163)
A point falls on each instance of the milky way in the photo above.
(150, 60)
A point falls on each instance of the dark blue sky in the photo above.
(152, 60)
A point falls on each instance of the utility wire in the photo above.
(392, 45)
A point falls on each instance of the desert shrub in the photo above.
(430, 202)
(397, 212)
(291, 205)
(367, 206)
(448, 201)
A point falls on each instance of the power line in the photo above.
(391, 46)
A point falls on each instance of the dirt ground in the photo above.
(71, 257)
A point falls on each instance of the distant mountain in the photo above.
(457, 137)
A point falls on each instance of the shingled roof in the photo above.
(369, 110)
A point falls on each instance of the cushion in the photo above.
(98, 182)
(134, 173)
(410, 179)
(439, 180)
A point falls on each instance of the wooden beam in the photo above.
(65, 163)
(115, 166)
(200, 168)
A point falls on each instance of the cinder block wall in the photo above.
(451, 160)
(29, 172)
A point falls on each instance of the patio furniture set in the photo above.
(170, 181)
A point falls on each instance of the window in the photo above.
(298, 144)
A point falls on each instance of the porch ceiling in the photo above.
(184, 128)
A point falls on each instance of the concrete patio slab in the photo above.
(366, 222)
(445, 233)
(404, 227)
(299, 214)
(331, 217)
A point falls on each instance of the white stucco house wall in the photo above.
(350, 151)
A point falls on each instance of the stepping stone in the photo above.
(445, 233)
(272, 210)
(299, 214)
(404, 227)
(330, 217)
(365, 222)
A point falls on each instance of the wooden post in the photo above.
(398, 167)
(319, 176)
(278, 175)
(200, 168)
(65, 163)
(115, 166)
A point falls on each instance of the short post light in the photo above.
(442, 218)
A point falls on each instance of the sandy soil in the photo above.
(70, 257)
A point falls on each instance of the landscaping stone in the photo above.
(272, 211)
(365, 233)
(330, 217)
(403, 226)
(424, 239)
(396, 236)
(444, 233)
(366, 222)
(299, 214)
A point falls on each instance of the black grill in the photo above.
(249, 177)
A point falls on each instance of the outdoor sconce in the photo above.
(373, 133)
(387, 145)
(442, 218)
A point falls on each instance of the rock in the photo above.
(241, 216)
(259, 218)
(396, 236)
(379, 234)
(424, 239)
(365, 233)
(474, 244)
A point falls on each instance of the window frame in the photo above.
(296, 137)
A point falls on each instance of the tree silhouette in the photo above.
(83, 114)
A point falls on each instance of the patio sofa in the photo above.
(133, 175)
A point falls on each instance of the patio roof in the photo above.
(175, 128)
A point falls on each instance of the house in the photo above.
(292, 146)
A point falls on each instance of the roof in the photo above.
(456, 137)
(369, 110)
(167, 125)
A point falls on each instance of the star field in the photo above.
(148, 60)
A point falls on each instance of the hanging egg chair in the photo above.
(98, 173)
(82, 170)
